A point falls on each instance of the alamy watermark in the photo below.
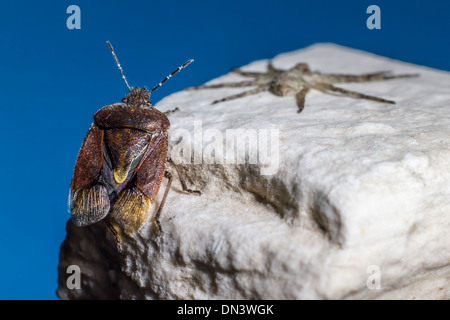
(374, 280)
(74, 280)
(374, 20)
(74, 20)
(258, 147)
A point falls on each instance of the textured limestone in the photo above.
(358, 184)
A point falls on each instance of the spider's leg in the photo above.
(300, 97)
(377, 76)
(303, 67)
(271, 69)
(328, 87)
(247, 73)
(243, 94)
(224, 85)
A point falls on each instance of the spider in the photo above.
(299, 80)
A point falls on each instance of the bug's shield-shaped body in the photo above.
(121, 163)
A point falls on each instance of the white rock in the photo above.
(360, 186)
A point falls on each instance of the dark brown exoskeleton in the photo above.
(121, 163)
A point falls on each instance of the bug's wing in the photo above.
(88, 200)
(150, 171)
(130, 210)
(132, 206)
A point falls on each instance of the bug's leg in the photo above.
(182, 181)
(171, 111)
(326, 88)
(224, 85)
(115, 230)
(168, 175)
(368, 77)
(300, 98)
(88, 199)
(243, 94)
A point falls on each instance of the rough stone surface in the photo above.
(359, 184)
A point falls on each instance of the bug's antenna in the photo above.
(170, 75)
(118, 64)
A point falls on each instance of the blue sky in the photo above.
(54, 79)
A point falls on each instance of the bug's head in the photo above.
(137, 97)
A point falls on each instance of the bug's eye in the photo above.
(124, 100)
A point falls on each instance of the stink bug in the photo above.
(121, 163)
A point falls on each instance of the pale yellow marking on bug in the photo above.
(120, 175)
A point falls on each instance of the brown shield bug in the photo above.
(121, 163)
